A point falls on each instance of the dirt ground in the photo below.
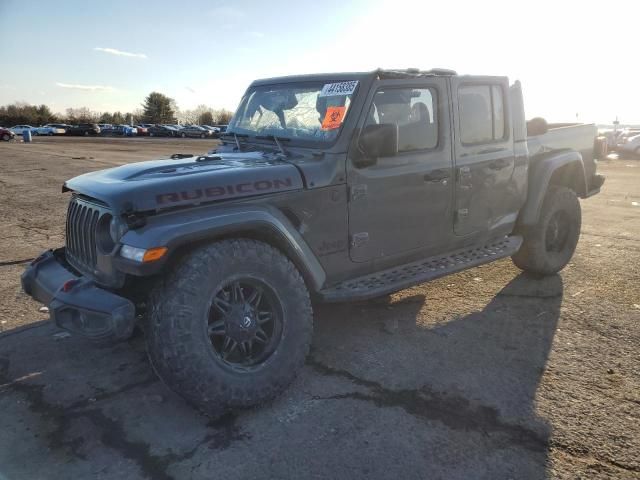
(486, 374)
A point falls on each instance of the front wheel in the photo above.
(6, 137)
(549, 244)
(183, 135)
(230, 326)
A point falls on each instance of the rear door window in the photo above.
(481, 111)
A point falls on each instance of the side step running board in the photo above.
(398, 278)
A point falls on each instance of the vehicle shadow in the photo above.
(477, 374)
(393, 388)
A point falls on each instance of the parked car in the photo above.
(162, 131)
(58, 128)
(221, 128)
(85, 129)
(6, 134)
(398, 178)
(215, 131)
(44, 130)
(194, 131)
(142, 130)
(632, 145)
(19, 129)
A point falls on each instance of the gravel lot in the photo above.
(485, 374)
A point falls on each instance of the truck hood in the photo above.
(158, 184)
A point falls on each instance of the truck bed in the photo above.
(567, 136)
(574, 136)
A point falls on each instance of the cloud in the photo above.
(86, 88)
(114, 51)
(191, 89)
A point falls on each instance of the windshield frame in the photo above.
(296, 141)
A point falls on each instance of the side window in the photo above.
(481, 110)
(413, 110)
(498, 112)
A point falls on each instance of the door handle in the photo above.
(500, 164)
(437, 175)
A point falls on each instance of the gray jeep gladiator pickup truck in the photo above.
(332, 187)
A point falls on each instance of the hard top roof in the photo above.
(345, 76)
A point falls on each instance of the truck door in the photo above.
(403, 203)
(486, 197)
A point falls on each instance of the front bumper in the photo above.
(75, 302)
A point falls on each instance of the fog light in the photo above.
(142, 255)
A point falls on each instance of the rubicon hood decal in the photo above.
(160, 184)
(226, 191)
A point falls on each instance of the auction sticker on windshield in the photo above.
(341, 88)
(333, 118)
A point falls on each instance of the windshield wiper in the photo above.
(277, 140)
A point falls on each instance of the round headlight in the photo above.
(104, 241)
(117, 228)
(109, 231)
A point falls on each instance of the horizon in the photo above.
(114, 57)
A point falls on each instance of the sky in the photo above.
(577, 60)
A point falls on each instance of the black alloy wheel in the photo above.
(245, 323)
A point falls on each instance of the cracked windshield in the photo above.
(308, 112)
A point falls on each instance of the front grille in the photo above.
(82, 220)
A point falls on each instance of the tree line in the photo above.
(156, 108)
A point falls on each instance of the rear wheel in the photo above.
(202, 135)
(183, 135)
(231, 326)
(549, 245)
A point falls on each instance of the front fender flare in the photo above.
(540, 173)
(182, 227)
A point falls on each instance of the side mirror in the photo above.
(378, 141)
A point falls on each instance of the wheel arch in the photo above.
(262, 223)
(556, 168)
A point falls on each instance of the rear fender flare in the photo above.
(181, 228)
(541, 173)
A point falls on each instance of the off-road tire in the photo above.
(535, 254)
(180, 348)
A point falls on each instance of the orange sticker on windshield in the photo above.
(333, 118)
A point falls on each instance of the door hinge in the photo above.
(464, 176)
(463, 213)
(357, 191)
(359, 239)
